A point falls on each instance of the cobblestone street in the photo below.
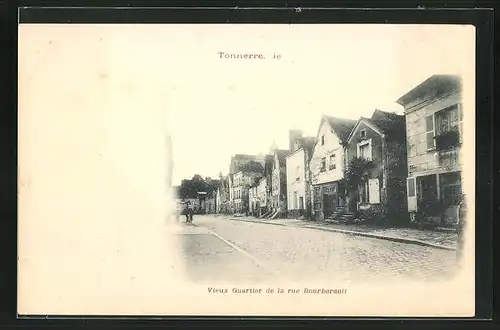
(221, 249)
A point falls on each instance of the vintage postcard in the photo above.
(232, 169)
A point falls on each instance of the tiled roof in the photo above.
(438, 84)
(341, 126)
(244, 156)
(386, 121)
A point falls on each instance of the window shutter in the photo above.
(370, 150)
(374, 191)
(429, 128)
(411, 187)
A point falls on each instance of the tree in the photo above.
(252, 166)
(358, 171)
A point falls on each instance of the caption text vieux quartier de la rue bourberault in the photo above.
(236, 290)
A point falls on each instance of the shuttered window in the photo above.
(429, 128)
(374, 191)
(411, 187)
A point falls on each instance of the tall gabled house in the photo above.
(278, 182)
(380, 140)
(327, 166)
(298, 176)
(434, 114)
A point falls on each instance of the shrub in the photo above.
(375, 214)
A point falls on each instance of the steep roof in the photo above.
(282, 153)
(341, 126)
(387, 121)
(382, 121)
(437, 84)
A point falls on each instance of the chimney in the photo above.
(294, 135)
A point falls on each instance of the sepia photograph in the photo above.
(209, 169)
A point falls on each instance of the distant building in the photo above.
(434, 114)
(253, 199)
(298, 176)
(278, 182)
(211, 202)
(262, 196)
(236, 162)
(243, 179)
(223, 195)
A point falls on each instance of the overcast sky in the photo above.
(214, 108)
(222, 107)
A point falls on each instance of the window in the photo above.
(322, 140)
(449, 119)
(297, 173)
(323, 164)
(333, 162)
(362, 133)
(301, 203)
(365, 150)
(451, 188)
(429, 129)
(364, 191)
(449, 158)
(295, 200)
(411, 187)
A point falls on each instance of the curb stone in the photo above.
(358, 233)
(384, 237)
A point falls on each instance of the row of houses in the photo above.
(386, 167)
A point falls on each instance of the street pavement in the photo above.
(218, 249)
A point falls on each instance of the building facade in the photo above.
(278, 182)
(380, 140)
(237, 161)
(298, 176)
(253, 200)
(434, 114)
(262, 196)
(242, 181)
(327, 167)
(211, 203)
(223, 196)
(268, 174)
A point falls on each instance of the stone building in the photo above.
(243, 179)
(434, 114)
(327, 167)
(380, 139)
(236, 162)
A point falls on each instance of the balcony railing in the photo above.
(449, 157)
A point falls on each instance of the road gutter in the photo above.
(358, 233)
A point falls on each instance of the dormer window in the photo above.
(362, 133)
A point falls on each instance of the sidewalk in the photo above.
(432, 238)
